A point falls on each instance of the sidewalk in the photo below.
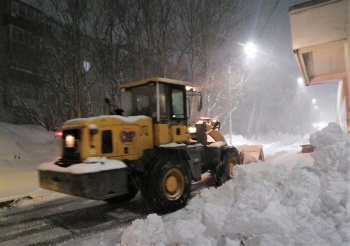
(15, 182)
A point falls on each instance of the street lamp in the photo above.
(250, 49)
(230, 102)
(300, 81)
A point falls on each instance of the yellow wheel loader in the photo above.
(150, 148)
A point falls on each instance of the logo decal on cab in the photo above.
(127, 136)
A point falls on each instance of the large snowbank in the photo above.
(22, 149)
(265, 204)
(24, 146)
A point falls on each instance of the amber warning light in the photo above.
(58, 133)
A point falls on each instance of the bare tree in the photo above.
(151, 32)
(88, 48)
(206, 26)
(78, 60)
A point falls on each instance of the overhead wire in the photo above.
(267, 20)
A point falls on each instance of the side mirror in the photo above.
(110, 106)
(200, 105)
(196, 97)
(188, 107)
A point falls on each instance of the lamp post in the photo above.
(249, 49)
(230, 102)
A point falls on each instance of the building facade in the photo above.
(49, 71)
(321, 43)
(22, 27)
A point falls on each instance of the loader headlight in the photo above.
(190, 88)
(70, 141)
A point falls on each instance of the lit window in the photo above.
(87, 66)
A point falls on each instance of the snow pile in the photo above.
(265, 204)
(26, 145)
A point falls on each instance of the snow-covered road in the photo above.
(272, 191)
(47, 218)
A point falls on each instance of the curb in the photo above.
(12, 201)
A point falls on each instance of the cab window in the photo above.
(162, 102)
(177, 103)
(144, 100)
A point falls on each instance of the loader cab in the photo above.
(163, 100)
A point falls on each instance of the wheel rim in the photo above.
(233, 162)
(173, 184)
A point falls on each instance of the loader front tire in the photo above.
(168, 186)
(229, 159)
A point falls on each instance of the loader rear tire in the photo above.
(229, 159)
(168, 186)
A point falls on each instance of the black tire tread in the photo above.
(222, 174)
(152, 189)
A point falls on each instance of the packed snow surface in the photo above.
(22, 149)
(26, 145)
(90, 165)
(265, 204)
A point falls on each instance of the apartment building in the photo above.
(48, 69)
(21, 30)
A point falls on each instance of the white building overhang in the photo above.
(320, 30)
(321, 44)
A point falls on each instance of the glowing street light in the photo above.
(250, 49)
(300, 81)
(313, 100)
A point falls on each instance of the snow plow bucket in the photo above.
(98, 180)
(251, 153)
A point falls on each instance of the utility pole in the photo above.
(230, 102)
